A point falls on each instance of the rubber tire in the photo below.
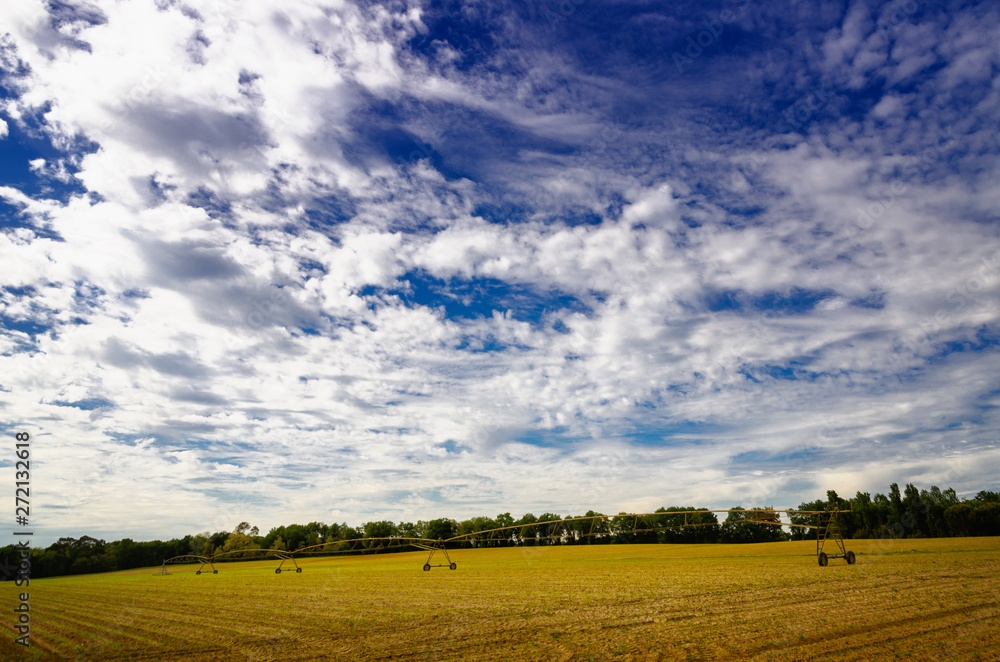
(277, 571)
(427, 566)
(822, 559)
(298, 570)
(215, 572)
(452, 566)
(850, 558)
(197, 572)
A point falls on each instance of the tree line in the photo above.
(910, 513)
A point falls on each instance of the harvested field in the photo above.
(914, 599)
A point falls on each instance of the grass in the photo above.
(912, 599)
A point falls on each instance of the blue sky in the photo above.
(284, 262)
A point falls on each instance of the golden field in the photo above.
(906, 599)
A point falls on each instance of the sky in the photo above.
(343, 262)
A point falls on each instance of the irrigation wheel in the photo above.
(277, 571)
(427, 566)
(453, 566)
(850, 558)
(215, 572)
(197, 572)
(299, 570)
(822, 558)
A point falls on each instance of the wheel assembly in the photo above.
(277, 571)
(298, 570)
(822, 558)
(850, 558)
(427, 566)
(453, 566)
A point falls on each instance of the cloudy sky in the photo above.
(284, 262)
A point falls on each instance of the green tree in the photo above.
(295, 536)
(799, 532)
(351, 533)
(769, 525)
(550, 534)
(245, 529)
(441, 529)
(272, 535)
(528, 535)
(201, 544)
(504, 519)
(986, 519)
(241, 541)
(408, 530)
(598, 531)
(883, 508)
(959, 519)
(582, 531)
(124, 554)
(935, 502)
(866, 516)
(629, 530)
(466, 527)
(381, 529)
(315, 532)
(915, 513)
(984, 497)
(735, 529)
(685, 527)
(897, 508)
(742, 526)
(477, 524)
(846, 520)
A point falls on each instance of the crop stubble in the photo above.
(919, 599)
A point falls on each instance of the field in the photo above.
(913, 599)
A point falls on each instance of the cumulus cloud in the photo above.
(394, 262)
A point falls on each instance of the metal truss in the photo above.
(561, 531)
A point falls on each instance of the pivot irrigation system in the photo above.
(563, 530)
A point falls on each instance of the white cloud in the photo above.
(889, 105)
(240, 280)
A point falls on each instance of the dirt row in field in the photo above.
(924, 600)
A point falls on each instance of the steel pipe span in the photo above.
(563, 530)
